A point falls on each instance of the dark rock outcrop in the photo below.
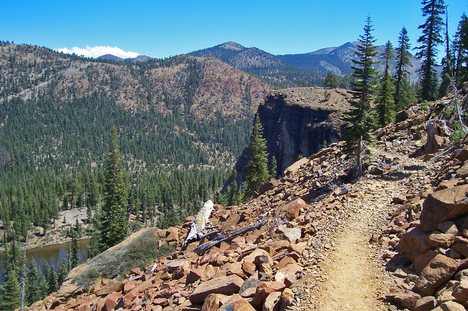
(298, 122)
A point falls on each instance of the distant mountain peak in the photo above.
(231, 45)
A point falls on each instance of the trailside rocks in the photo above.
(226, 285)
(446, 204)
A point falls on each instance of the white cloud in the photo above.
(96, 51)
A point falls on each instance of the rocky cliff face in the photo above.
(300, 121)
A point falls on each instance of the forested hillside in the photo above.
(182, 122)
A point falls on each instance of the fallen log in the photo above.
(227, 236)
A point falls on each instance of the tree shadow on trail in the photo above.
(395, 176)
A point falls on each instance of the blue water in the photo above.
(52, 254)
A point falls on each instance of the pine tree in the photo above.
(447, 72)
(36, 285)
(114, 222)
(385, 99)
(429, 41)
(361, 117)
(52, 283)
(74, 250)
(460, 47)
(62, 272)
(257, 167)
(10, 292)
(403, 61)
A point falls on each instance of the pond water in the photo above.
(52, 254)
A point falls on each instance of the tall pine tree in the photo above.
(429, 40)
(257, 167)
(461, 51)
(447, 71)
(114, 221)
(10, 293)
(385, 99)
(403, 61)
(361, 117)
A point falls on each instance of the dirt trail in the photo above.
(352, 275)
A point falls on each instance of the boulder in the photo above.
(425, 304)
(414, 243)
(450, 306)
(264, 289)
(212, 302)
(112, 301)
(227, 285)
(287, 298)
(292, 234)
(460, 292)
(403, 298)
(421, 261)
(437, 272)
(440, 240)
(442, 205)
(237, 303)
(272, 302)
(293, 208)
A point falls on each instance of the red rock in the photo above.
(460, 292)
(212, 303)
(437, 272)
(288, 273)
(399, 199)
(461, 246)
(264, 289)
(110, 287)
(237, 303)
(172, 234)
(193, 276)
(414, 243)
(272, 302)
(292, 234)
(443, 205)
(236, 268)
(450, 306)
(287, 298)
(293, 208)
(425, 304)
(111, 301)
(403, 298)
(224, 285)
(421, 261)
(161, 233)
(248, 267)
(285, 261)
(136, 271)
(440, 240)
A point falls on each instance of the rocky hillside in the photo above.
(316, 240)
(205, 86)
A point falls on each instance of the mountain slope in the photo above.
(182, 122)
(267, 66)
(293, 69)
(338, 60)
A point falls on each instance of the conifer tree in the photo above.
(385, 99)
(461, 51)
(36, 285)
(52, 283)
(257, 167)
(361, 117)
(10, 292)
(429, 40)
(114, 221)
(74, 250)
(403, 61)
(447, 71)
(62, 272)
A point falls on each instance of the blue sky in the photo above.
(165, 28)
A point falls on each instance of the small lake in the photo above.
(52, 254)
